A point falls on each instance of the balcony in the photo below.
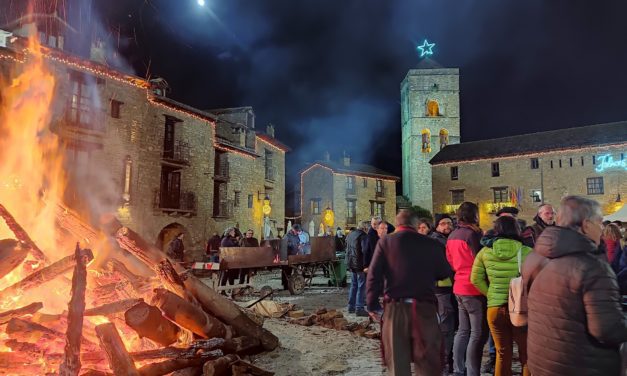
(222, 172)
(270, 173)
(351, 191)
(178, 154)
(380, 193)
(176, 203)
(223, 209)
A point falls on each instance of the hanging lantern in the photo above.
(329, 217)
(426, 141)
(266, 208)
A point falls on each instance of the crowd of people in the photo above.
(441, 291)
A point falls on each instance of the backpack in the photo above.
(517, 302)
(518, 293)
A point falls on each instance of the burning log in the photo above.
(112, 308)
(120, 361)
(242, 346)
(168, 366)
(44, 275)
(138, 282)
(27, 331)
(148, 322)
(71, 362)
(19, 312)
(72, 223)
(12, 254)
(95, 372)
(203, 345)
(211, 301)
(22, 235)
(187, 315)
(220, 366)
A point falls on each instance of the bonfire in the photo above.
(69, 303)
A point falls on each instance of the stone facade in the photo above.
(149, 159)
(429, 106)
(326, 185)
(533, 178)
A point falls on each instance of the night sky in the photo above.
(327, 73)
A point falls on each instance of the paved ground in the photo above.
(316, 350)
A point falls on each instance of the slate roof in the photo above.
(273, 141)
(356, 169)
(561, 139)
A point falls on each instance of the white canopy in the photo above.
(620, 215)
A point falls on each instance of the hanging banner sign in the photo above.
(607, 162)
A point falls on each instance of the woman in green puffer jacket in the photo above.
(493, 268)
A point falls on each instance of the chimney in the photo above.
(270, 130)
(347, 159)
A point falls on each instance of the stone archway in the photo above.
(169, 232)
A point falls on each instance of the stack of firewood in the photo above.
(333, 319)
(184, 326)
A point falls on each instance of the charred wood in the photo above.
(44, 275)
(148, 322)
(187, 315)
(72, 362)
(119, 359)
(204, 345)
(168, 366)
(220, 366)
(12, 254)
(242, 346)
(112, 308)
(22, 235)
(19, 312)
(28, 331)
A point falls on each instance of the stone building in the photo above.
(156, 163)
(429, 121)
(531, 169)
(354, 192)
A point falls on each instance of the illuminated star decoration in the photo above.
(426, 49)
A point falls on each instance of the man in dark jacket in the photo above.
(355, 262)
(176, 249)
(404, 269)
(543, 219)
(575, 320)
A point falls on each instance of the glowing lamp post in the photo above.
(266, 209)
(329, 217)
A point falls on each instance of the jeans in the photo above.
(504, 334)
(446, 314)
(357, 292)
(471, 335)
(402, 347)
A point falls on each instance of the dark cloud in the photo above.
(327, 72)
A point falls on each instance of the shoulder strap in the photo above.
(520, 261)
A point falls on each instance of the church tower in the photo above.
(429, 121)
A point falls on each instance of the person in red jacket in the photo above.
(461, 248)
(611, 237)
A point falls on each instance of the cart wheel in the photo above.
(296, 284)
(265, 290)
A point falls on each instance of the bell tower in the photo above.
(429, 122)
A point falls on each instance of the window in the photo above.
(454, 173)
(622, 156)
(433, 108)
(236, 199)
(594, 159)
(425, 145)
(536, 195)
(250, 201)
(377, 208)
(560, 162)
(495, 169)
(582, 161)
(379, 186)
(128, 165)
(551, 164)
(443, 138)
(80, 107)
(535, 163)
(270, 173)
(457, 196)
(315, 206)
(570, 162)
(595, 186)
(365, 183)
(350, 185)
(115, 108)
(351, 216)
(501, 194)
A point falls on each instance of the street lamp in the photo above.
(329, 217)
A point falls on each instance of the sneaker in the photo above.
(488, 367)
(361, 313)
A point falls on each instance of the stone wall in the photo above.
(475, 178)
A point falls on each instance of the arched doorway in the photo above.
(169, 232)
